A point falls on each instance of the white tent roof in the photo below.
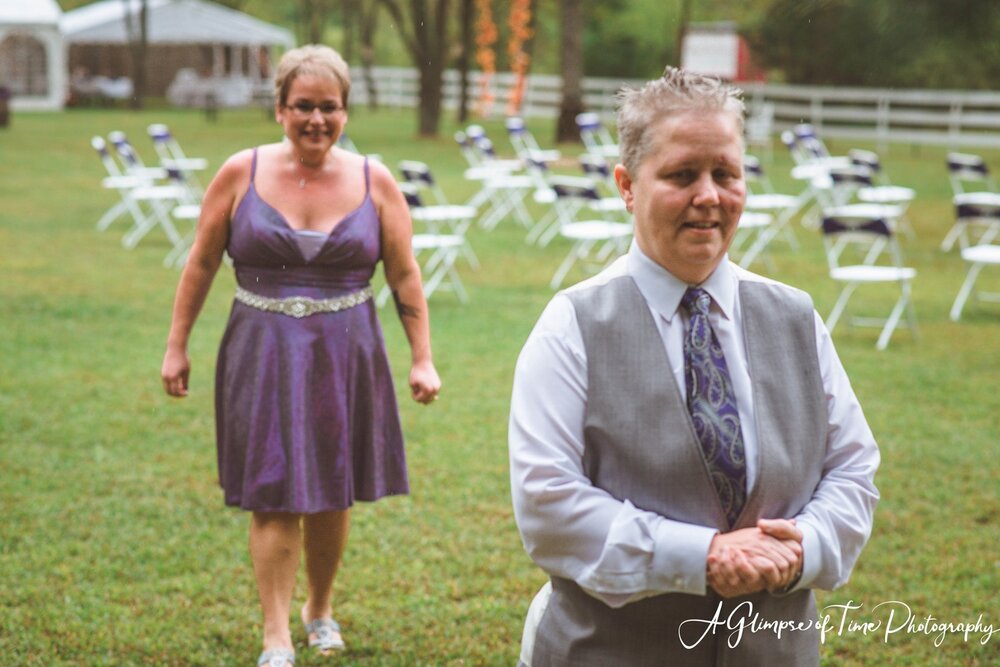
(29, 12)
(170, 21)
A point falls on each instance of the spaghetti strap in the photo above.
(253, 166)
(368, 186)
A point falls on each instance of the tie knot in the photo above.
(696, 300)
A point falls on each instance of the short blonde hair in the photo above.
(676, 92)
(311, 60)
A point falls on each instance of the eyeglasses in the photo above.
(305, 109)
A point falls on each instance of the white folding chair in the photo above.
(607, 207)
(525, 145)
(812, 170)
(973, 188)
(874, 187)
(501, 186)
(596, 137)
(147, 204)
(814, 150)
(759, 127)
(436, 252)
(595, 242)
(979, 256)
(599, 170)
(419, 175)
(969, 173)
(131, 161)
(762, 199)
(750, 230)
(839, 189)
(436, 218)
(441, 251)
(986, 215)
(172, 156)
(837, 224)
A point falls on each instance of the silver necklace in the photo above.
(306, 179)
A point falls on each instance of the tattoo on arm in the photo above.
(402, 308)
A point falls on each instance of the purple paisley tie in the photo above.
(712, 404)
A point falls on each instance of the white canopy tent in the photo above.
(171, 22)
(32, 54)
(232, 36)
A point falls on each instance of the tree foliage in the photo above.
(903, 43)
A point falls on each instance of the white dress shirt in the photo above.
(618, 552)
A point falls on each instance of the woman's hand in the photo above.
(424, 382)
(768, 556)
(174, 372)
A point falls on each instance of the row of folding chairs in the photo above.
(166, 196)
(859, 208)
(579, 209)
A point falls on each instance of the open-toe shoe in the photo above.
(324, 635)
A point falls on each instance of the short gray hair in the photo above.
(676, 92)
(311, 60)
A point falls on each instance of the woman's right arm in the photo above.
(202, 263)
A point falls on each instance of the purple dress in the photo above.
(306, 414)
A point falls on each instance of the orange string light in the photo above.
(486, 37)
(520, 32)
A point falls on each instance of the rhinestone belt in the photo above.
(303, 306)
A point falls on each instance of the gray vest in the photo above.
(640, 446)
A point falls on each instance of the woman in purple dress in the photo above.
(306, 415)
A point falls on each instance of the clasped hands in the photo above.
(749, 560)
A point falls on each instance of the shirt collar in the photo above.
(663, 290)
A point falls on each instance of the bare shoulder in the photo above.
(236, 169)
(383, 183)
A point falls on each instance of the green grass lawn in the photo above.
(115, 547)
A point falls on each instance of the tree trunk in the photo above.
(463, 60)
(682, 30)
(312, 13)
(571, 52)
(428, 46)
(349, 12)
(431, 86)
(369, 22)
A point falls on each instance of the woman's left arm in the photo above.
(402, 273)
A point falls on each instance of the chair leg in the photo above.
(441, 265)
(520, 211)
(890, 324)
(383, 296)
(144, 222)
(876, 249)
(966, 289)
(759, 243)
(111, 215)
(841, 304)
(954, 234)
(540, 227)
(579, 251)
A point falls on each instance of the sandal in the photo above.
(276, 657)
(324, 635)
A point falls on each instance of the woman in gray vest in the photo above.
(688, 459)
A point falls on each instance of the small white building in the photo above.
(32, 54)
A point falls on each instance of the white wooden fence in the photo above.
(953, 118)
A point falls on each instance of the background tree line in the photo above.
(885, 43)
